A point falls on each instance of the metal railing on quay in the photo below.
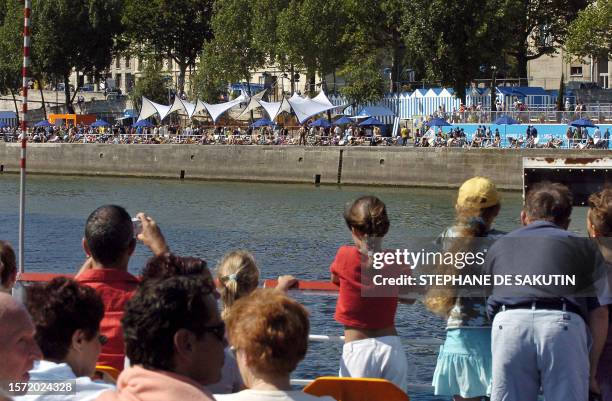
(601, 115)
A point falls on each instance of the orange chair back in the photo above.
(354, 389)
(103, 370)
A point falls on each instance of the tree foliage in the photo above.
(78, 35)
(11, 41)
(377, 24)
(453, 39)
(590, 34)
(537, 27)
(264, 22)
(209, 82)
(10, 48)
(310, 35)
(364, 80)
(560, 105)
(152, 84)
(233, 53)
(176, 29)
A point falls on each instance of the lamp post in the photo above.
(493, 97)
(390, 72)
(283, 76)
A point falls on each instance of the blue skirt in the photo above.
(464, 363)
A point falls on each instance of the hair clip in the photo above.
(232, 277)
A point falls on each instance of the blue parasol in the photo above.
(438, 122)
(43, 123)
(143, 123)
(100, 123)
(505, 120)
(582, 122)
(321, 122)
(370, 121)
(343, 120)
(262, 122)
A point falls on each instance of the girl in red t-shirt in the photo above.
(372, 348)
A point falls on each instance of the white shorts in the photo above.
(379, 358)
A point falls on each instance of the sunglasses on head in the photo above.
(102, 339)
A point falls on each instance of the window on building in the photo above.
(118, 62)
(170, 64)
(127, 62)
(129, 82)
(118, 80)
(576, 70)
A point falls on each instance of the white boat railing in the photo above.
(413, 342)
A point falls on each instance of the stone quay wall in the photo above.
(387, 166)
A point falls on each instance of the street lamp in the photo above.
(283, 76)
(493, 97)
(390, 72)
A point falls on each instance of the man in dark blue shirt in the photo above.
(550, 278)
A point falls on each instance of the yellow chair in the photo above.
(106, 373)
(354, 389)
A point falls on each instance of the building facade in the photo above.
(124, 71)
(546, 71)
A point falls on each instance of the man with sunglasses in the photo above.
(67, 318)
(174, 338)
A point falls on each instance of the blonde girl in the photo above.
(238, 276)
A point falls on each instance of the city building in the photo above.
(546, 71)
(124, 71)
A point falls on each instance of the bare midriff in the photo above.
(356, 334)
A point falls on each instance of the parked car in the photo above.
(60, 87)
(87, 88)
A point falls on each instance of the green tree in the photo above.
(72, 35)
(378, 23)
(560, 105)
(264, 21)
(176, 29)
(208, 82)
(310, 35)
(590, 34)
(11, 40)
(233, 52)
(364, 81)
(152, 84)
(452, 39)
(537, 27)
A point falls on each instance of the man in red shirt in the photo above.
(109, 243)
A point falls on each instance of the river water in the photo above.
(291, 229)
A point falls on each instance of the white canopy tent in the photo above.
(215, 110)
(306, 108)
(303, 108)
(254, 103)
(275, 108)
(150, 108)
(180, 104)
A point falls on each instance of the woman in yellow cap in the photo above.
(463, 369)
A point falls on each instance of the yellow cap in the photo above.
(478, 193)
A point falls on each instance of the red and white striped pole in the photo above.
(27, 9)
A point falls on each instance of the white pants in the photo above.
(379, 358)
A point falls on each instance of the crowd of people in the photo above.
(162, 335)
(349, 135)
(484, 137)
